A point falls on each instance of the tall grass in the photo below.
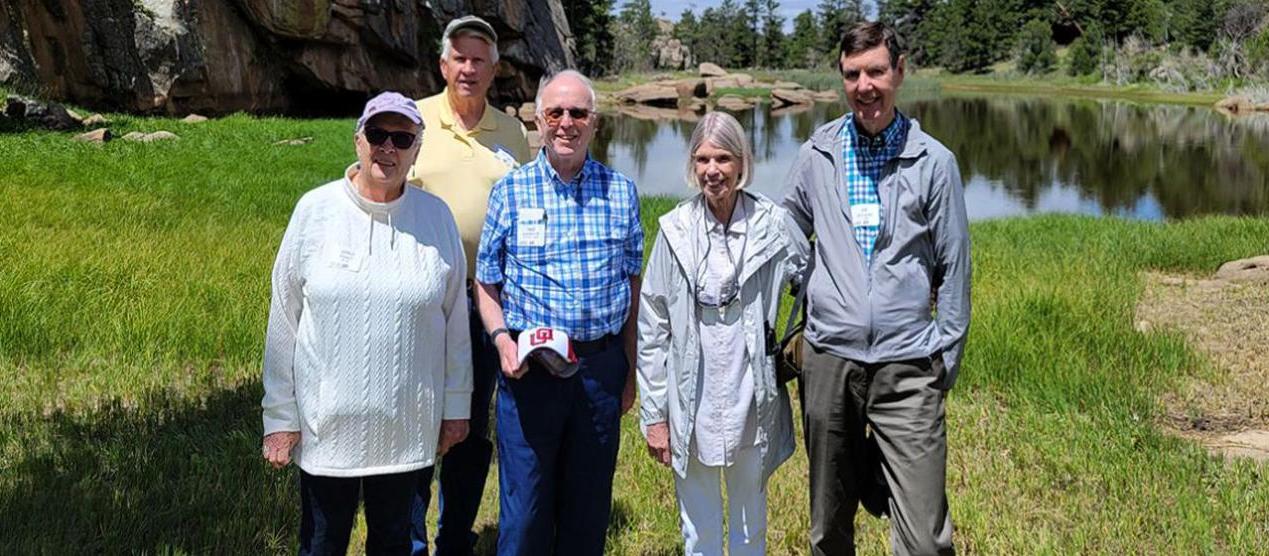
(133, 291)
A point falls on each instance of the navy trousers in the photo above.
(329, 504)
(466, 465)
(557, 450)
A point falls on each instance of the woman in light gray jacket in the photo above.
(711, 404)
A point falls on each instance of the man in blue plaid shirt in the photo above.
(562, 248)
(885, 203)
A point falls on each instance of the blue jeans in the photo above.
(328, 505)
(557, 450)
(466, 465)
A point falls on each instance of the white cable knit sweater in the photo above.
(367, 348)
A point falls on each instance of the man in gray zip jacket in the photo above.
(887, 307)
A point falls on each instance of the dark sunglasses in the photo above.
(400, 139)
(554, 115)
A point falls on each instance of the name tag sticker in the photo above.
(868, 214)
(343, 258)
(531, 227)
(504, 156)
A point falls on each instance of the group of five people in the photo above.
(405, 294)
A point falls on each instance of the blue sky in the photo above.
(670, 9)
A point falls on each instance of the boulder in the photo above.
(139, 137)
(194, 119)
(159, 136)
(671, 53)
(825, 96)
(791, 109)
(708, 69)
(732, 81)
(527, 111)
(95, 120)
(785, 97)
(656, 113)
(656, 94)
(693, 104)
(691, 87)
(304, 57)
(734, 103)
(97, 136)
(1254, 269)
(1236, 105)
(47, 115)
(787, 85)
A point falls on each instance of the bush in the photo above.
(1083, 58)
(1258, 54)
(1036, 52)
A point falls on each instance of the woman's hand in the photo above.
(277, 448)
(453, 431)
(659, 442)
(508, 356)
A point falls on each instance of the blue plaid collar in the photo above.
(890, 141)
(586, 171)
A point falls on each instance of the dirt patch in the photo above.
(1225, 317)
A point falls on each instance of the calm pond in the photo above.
(1018, 155)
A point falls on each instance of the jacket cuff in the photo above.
(651, 417)
(274, 422)
(457, 406)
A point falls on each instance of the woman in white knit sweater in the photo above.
(367, 363)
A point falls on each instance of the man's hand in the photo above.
(659, 442)
(277, 448)
(508, 356)
(453, 431)
(628, 396)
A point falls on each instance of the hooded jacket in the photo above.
(669, 340)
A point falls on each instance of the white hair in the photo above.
(447, 45)
(723, 131)
(550, 77)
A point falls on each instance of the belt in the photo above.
(582, 348)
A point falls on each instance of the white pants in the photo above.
(701, 505)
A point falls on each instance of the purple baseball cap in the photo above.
(389, 101)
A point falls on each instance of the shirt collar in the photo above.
(582, 175)
(891, 139)
(486, 123)
(739, 215)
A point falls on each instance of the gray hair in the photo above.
(550, 77)
(447, 45)
(724, 132)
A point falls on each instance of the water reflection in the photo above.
(1019, 155)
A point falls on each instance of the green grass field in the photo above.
(133, 297)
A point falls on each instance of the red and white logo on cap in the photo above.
(555, 347)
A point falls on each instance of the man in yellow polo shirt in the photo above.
(467, 146)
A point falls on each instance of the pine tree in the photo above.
(907, 17)
(836, 16)
(802, 49)
(773, 50)
(635, 30)
(687, 30)
(752, 14)
(590, 22)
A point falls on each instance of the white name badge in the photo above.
(343, 258)
(504, 156)
(531, 227)
(868, 214)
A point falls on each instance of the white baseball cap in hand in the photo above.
(551, 348)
